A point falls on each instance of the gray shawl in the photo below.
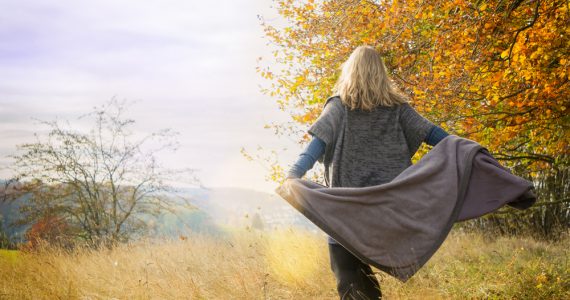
(397, 226)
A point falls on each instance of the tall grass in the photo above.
(281, 265)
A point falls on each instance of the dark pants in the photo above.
(354, 279)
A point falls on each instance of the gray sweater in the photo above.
(368, 148)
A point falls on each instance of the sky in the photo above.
(188, 65)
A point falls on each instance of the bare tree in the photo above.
(103, 182)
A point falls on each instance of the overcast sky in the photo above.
(189, 64)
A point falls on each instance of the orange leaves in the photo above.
(308, 116)
(267, 74)
(486, 71)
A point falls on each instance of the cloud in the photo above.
(190, 63)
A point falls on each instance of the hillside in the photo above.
(10, 213)
(235, 207)
(220, 208)
(216, 210)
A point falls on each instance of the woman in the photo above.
(366, 135)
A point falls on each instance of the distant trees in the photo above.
(10, 234)
(95, 185)
(256, 222)
(54, 231)
(5, 241)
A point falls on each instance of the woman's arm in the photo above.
(435, 135)
(307, 158)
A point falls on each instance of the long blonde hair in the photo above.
(364, 83)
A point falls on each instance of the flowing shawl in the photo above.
(397, 226)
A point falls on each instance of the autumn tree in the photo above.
(98, 184)
(51, 230)
(493, 71)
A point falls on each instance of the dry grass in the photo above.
(281, 265)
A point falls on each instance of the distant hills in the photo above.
(219, 208)
(216, 210)
(9, 213)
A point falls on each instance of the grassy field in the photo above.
(281, 265)
(9, 256)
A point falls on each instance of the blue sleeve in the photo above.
(435, 135)
(307, 158)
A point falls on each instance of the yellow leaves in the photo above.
(547, 88)
(267, 74)
(497, 76)
(277, 173)
(539, 51)
(527, 75)
(494, 99)
(418, 92)
(540, 280)
(308, 117)
(393, 7)
(245, 154)
(520, 58)
(445, 53)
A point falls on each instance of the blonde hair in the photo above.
(364, 83)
